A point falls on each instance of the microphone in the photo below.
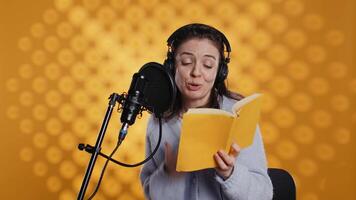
(152, 89)
(132, 104)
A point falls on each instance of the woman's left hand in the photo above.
(225, 162)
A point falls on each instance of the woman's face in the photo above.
(196, 65)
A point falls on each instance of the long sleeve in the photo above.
(249, 179)
(157, 184)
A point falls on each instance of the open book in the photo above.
(206, 130)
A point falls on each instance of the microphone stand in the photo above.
(96, 150)
(134, 98)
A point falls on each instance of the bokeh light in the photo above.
(82, 51)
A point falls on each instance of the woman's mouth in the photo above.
(193, 86)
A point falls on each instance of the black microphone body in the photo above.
(133, 103)
(152, 89)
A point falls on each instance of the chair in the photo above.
(283, 184)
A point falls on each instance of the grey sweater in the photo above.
(248, 181)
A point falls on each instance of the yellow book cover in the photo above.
(206, 130)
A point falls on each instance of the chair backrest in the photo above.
(283, 184)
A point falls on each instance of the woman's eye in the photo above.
(208, 66)
(186, 63)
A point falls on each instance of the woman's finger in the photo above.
(234, 150)
(228, 160)
(169, 151)
(220, 162)
(166, 151)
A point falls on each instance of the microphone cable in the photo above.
(125, 164)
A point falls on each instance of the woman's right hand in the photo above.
(170, 160)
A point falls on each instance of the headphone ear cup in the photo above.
(169, 65)
(222, 73)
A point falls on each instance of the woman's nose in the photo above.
(196, 70)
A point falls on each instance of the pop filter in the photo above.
(160, 89)
(152, 88)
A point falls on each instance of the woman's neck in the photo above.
(201, 103)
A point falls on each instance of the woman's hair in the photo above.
(200, 31)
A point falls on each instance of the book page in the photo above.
(201, 136)
(238, 105)
(244, 125)
(210, 111)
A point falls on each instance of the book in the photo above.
(206, 130)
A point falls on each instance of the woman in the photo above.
(197, 61)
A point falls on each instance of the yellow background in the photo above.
(61, 59)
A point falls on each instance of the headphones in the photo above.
(179, 33)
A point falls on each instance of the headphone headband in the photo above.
(199, 29)
(189, 27)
